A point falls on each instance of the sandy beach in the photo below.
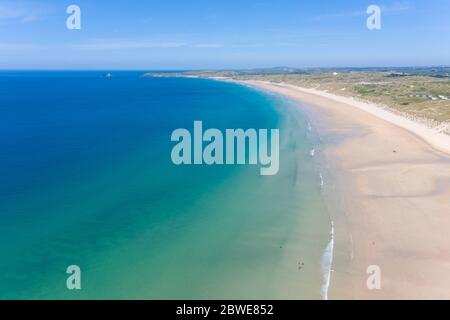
(393, 181)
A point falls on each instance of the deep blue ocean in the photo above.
(86, 179)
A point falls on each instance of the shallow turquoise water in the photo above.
(86, 178)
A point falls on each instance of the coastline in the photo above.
(393, 179)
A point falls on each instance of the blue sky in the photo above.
(191, 34)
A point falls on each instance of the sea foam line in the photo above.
(327, 263)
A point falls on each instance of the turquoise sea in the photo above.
(86, 179)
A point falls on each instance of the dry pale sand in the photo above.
(394, 185)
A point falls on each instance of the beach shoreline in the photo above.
(393, 178)
(431, 135)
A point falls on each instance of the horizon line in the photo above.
(225, 69)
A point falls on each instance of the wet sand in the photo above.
(394, 186)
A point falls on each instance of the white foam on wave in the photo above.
(327, 263)
(321, 180)
(312, 152)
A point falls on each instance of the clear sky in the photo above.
(198, 34)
